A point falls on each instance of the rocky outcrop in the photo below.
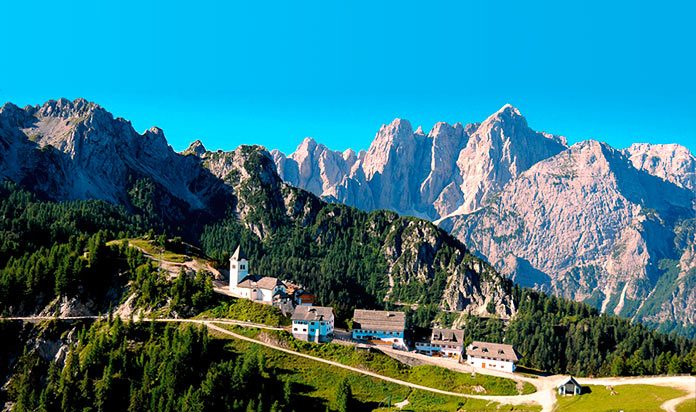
(66, 150)
(452, 169)
(671, 162)
(584, 224)
(416, 252)
(69, 150)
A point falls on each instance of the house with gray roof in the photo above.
(443, 342)
(313, 323)
(379, 327)
(496, 356)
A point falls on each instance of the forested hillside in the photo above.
(116, 366)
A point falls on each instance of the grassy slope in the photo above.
(428, 375)
(687, 406)
(248, 311)
(627, 398)
(318, 382)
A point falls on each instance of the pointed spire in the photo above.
(239, 254)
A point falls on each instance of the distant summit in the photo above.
(587, 222)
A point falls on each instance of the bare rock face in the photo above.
(76, 150)
(69, 150)
(671, 162)
(452, 169)
(584, 224)
(500, 149)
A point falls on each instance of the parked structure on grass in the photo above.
(379, 326)
(264, 289)
(443, 342)
(313, 323)
(487, 355)
(570, 387)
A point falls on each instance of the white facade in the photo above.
(495, 364)
(255, 288)
(447, 350)
(257, 294)
(239, 268)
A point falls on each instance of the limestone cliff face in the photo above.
(76, 150)
(587, 222)
(584, 224)
(671, 162)
(416, 252)
(452, 169)
(66, 150)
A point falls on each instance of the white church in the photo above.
(261, 289)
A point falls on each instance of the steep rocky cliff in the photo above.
(73, 150)
(420, 260)
(67, 150)
(587, 222)
(452, 169)
(584, 224)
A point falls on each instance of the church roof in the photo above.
(239, 254)
(260, 282)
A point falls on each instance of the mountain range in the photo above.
(76, 150)
(613, 228)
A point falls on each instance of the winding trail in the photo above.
(544, 396)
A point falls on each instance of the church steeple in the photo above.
(239, 266)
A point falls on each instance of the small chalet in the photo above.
(264, 289)
(378, 326)
(313, 323)
(570, 387)
(497, 356)
(444, 342)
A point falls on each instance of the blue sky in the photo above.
(271, 73)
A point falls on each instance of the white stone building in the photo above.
(496, 356)
(257, 288)
(313, 323)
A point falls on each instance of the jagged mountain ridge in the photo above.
(452, 169)
(65, 150)
(587, 222)
(608, 224)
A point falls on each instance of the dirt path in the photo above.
(545, 396)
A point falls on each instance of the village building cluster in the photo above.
(375, 327)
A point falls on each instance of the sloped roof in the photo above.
(378, 320)
(447, 336)
(309, 313)
(492, 350)
(572, 381)
(260, 282)
(239, 254)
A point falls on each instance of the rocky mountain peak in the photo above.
(65, 108)
(196, 148)
(671, 162)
